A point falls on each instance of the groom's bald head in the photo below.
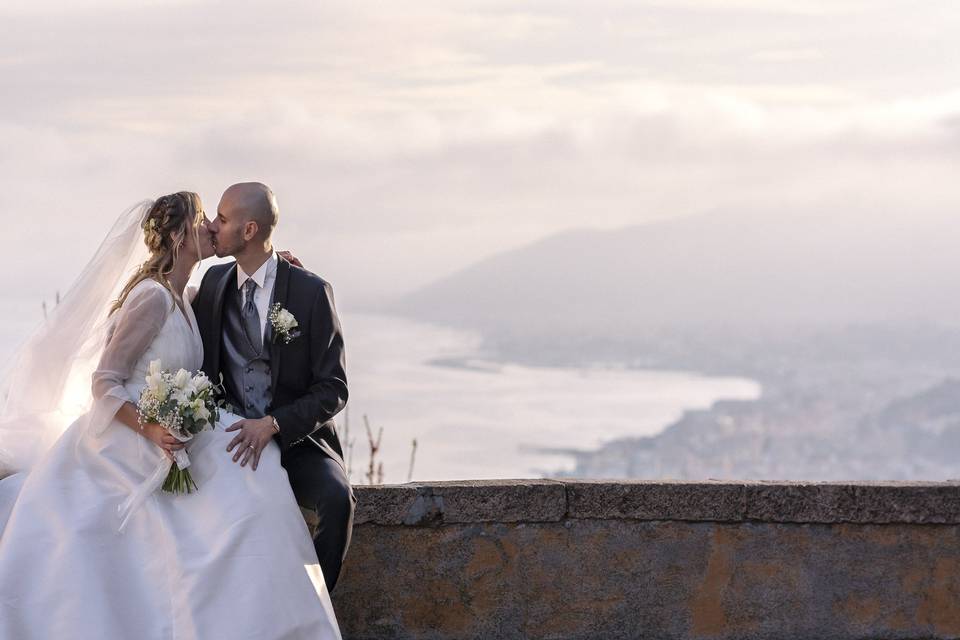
(246, 216)
(252, 202)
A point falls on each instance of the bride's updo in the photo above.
(168, 223)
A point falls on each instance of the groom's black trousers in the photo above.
(319, 483)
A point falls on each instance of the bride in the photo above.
(88, 548)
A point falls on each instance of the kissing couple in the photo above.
(90, 546)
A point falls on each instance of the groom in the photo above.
(287, 382)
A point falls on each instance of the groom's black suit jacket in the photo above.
(308, 377)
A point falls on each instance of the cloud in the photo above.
(407, 140)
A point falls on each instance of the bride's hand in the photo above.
(159, 436)
(289, 257)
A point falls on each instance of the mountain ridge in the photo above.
(743, 270)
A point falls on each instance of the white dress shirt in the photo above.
(265, 277)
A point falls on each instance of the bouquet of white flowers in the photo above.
(185, 405)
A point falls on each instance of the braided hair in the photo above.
(165, 229)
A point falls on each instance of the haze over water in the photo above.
(488, 419)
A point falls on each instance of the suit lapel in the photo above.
(219, 296)
(280, 289)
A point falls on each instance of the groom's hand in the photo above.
(254, 435)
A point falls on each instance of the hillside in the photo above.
(736, 271)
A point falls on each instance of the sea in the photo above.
(472, 417)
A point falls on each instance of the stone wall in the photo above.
(597, 559)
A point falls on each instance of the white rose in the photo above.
(191, 389)
(181, 379)
(201, 382)
(286, 319)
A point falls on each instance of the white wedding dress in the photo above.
(232, 560)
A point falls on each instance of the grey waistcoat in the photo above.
(246, 372)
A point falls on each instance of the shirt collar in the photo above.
(269, 267)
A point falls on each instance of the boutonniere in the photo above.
(283, 323)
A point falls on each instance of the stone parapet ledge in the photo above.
(461, 502)
(592, 559)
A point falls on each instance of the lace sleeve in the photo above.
(136, 325)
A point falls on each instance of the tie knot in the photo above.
(249, 287)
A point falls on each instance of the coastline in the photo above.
(475, 416)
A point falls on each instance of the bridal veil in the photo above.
(48, 380)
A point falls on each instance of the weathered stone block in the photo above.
(462, 502)
(652, 500)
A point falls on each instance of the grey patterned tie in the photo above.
(251, 318)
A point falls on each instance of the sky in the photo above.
(407, 140)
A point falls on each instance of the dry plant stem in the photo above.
(350, 459)
(374, 448)
(413, 454)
